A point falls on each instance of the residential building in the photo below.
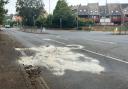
(116, 13)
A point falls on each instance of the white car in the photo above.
(7, 26)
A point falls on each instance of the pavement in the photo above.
(78, 59)
(11, 76)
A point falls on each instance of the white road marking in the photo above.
(60, 37)
(117, 59)
(55, 41)
(75, 46)
(101, 41)
(47, 39)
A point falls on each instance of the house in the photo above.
(83, 11)
(17, 18)
(125, 11)
(94, 12)
(114, 13)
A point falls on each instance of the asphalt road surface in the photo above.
(86, 60)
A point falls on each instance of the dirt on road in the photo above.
(11, 76)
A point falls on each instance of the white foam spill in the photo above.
(59, 59)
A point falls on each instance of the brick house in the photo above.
(114, 11)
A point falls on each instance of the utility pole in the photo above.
(106, 6)
(50, 20)
(49, 6)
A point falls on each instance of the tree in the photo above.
(2, 10)
(8, 20)
(41, 20)
(49, 20)
(63, 15)
(29, 10)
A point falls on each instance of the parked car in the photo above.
(7, 26)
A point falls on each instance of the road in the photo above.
(78, 59)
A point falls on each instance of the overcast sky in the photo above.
(11, 5)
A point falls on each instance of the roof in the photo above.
(83, 10)
(93, 8)
(125, 10)
(114, 9)
(96, 9)
(124, 5)
(103, 11)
